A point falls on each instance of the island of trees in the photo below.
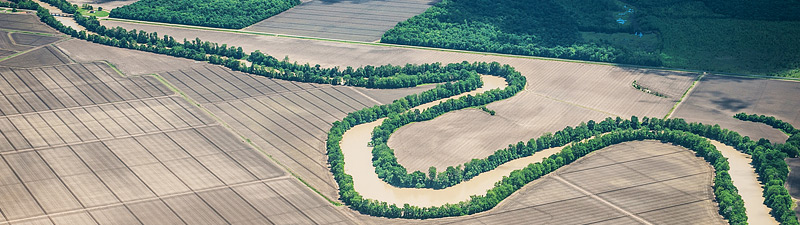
(209, 13)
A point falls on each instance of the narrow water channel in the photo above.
(358, 163)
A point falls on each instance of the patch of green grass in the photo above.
(96, 13)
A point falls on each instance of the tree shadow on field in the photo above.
(730, 104)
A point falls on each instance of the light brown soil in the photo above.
(716, 99)
(130, 62)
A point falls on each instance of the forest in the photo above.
(767, 158)
(744, 37)
(20, 4)
(209, 13)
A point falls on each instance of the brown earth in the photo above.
(25, 22)
(793, 181)
(130, 62)
(364, 20)
(45, 56)
(716, 99)
(80, 144)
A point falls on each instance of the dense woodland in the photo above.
(20, 4)
(738, 36)
(767, 159)
(209, 13)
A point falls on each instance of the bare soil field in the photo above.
(130, 62)
(466, 134)
(287, 120)
(130, 151)
(33, 39)
(24, 22)
(472, 133)
(793, 181)
(716, 99)
(655, 182)
(6, 43)
(345, 20)
(45, 56)
(13, 42)
(72, 85)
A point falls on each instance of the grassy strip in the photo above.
(120, 72)
(30, 32)
(686, 93)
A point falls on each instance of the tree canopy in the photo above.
(209, 13)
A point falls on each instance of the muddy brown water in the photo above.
(745, 179)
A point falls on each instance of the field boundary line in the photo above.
(686, 95)
(573, 104)
(32, 49)
(33, 32)
(242, 137)
(450, 50)
(365, 95)
(86, 106)
(634, 216)
(86, 209)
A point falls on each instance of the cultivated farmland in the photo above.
(44, 56)
(137, 158)
(287, 120)
(716, 99)
(558, 95)
(344, 20)
(11, 43)
(128, 61)
(24, 22)
(82, 144)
